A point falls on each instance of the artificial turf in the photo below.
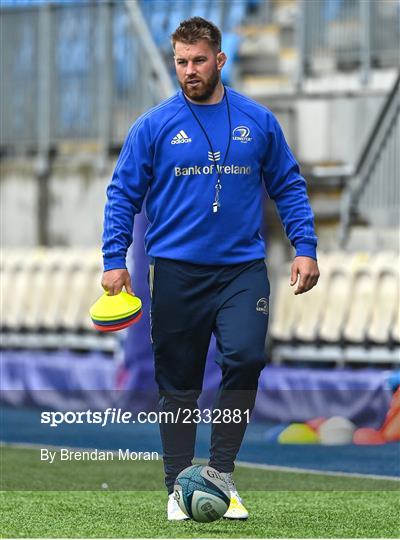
(281, 504)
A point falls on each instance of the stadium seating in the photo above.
(352, 315)
(46, 295)
(164, 17)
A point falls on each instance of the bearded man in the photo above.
(204, 158)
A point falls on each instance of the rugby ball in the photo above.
(202, 493)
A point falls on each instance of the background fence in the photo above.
(80, 70)
(350, 35)
(75, 71)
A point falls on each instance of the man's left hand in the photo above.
(307, 269)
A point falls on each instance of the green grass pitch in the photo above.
(35, 503)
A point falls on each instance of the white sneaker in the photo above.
(236, 509)
(174, 513)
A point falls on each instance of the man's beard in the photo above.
(204, 90)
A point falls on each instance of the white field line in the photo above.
(315, 471)
(245, 464)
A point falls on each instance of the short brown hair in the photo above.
(192, 30)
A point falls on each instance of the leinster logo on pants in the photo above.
(262, 305)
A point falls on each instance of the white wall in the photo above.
(18, 207)
(334, 130)
(76, 201)
(76, 210)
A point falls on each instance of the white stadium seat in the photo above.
(361, 303)
(84, 289)
(345, 297)
(18, 293)
(337, 305)
(41, 291)
(312, 305)
(385, 306)
(49, 289)
(355, 304)
(10, 263)
(285, 309)
(395, 331)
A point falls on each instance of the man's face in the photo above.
(198, 69)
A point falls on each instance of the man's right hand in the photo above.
(114, 280)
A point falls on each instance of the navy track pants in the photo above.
(189, 303)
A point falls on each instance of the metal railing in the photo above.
(76, 71)
(84, 70)
(373, 195)
(348, 36)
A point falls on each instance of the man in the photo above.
(203, 158)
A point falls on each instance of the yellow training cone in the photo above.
(298, 434)
(113, 308)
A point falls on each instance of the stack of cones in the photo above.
(112, 313)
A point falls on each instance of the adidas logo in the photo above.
(214, 157)
(181, 138)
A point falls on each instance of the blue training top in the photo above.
(166, 156)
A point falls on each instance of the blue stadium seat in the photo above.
(158, 21)
(124, 46)
(20, 3)
(230, 45)
(234, 16)
(200, 8)
(179, 11)
(215, 13)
